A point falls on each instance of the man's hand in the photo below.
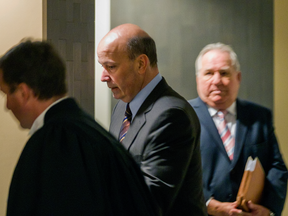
(225, 209)
(258, 210)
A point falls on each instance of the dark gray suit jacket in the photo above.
(164, 140)
(254, 137)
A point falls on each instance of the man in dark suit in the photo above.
(164, 131)
(248, 131)
(70, 165)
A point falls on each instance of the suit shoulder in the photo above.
(252, 106)
(172, 101)
(193, 102)
(175, 107)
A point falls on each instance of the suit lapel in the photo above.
(117, 118)
(134, 129)
(140, 118)
(241, 130)
(116, 123)
(209, 125)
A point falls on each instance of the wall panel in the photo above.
(70, 27)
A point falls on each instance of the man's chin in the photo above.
(217, 99)
(25, 126)
(115, 92)
(221, 104)
(216, 102)
(116, 96)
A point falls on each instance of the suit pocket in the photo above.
(259, 146)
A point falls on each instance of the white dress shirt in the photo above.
(39, 121)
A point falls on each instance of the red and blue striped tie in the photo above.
(125, 124)
(225, 134)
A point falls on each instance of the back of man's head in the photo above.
(37, 64)
(142, 45)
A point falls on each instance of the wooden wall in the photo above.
(70, 27)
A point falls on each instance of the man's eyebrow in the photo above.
(106, 62)
(207, 69)
(225, 68)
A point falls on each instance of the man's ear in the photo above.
(142, 63)
(239, 76)
(25, 92)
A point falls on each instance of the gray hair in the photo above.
(221, 47)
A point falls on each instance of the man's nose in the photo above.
(216, 78)
(105, 76)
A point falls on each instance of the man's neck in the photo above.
(43, 107)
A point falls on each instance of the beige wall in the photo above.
(18, 19)
(281, 78)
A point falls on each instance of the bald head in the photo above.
(131, 40)
(128, 30)
(123, 33)
(129, 60)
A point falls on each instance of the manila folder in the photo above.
(252, 184)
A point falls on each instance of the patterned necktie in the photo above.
(125, 124)
(225, 134)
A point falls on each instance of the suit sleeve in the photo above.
(276, 178)
(172, 141)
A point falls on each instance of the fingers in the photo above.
(251, 205)
(239, 212)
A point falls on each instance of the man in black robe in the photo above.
(70, 165)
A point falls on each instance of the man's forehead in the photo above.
(111, 37)
(111, 45)
(216, 57)
(111, 55)
(216, 53)
(210, 67)
(111, 50)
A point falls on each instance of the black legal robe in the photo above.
(72, 166)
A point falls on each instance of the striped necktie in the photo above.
(125, 124)
(225, 134)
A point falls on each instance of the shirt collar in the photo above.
(231, 109)
(143, 94)
(39, 121)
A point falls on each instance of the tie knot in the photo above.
(222, 113)
(128, 112)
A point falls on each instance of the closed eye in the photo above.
(110, 67)
(224, 73)
(208, 73)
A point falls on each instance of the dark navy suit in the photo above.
(254, 137)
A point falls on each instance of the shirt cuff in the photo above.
(208, 201)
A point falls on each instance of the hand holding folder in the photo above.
(252, 184)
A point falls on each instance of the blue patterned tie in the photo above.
(125, 124)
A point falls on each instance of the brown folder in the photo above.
(252, 184)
